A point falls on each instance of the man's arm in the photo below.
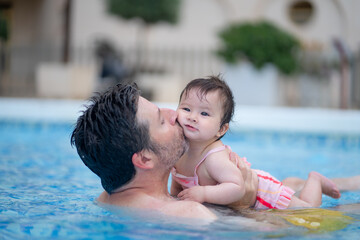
(248, 176)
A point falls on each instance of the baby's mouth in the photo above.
(189, 127)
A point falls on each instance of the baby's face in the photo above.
(200, 116)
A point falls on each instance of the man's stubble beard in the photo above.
(171, 152)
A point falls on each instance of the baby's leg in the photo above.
(348, 183)
(298, 203)
(294, 183)
(344, 184)
(315, 186)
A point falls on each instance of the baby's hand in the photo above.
(196, 193)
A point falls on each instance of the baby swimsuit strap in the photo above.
(214, 150)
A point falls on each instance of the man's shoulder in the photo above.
(172, 207)
(104, 196)
(188, 209)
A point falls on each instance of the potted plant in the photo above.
(255, 53)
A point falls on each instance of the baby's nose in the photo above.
(192, 117)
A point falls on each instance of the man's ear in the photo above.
(143, 159)
(223, 130)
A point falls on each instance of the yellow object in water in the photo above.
(316, 219)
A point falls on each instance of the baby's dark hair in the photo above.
(210, 84)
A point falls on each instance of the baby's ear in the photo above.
(223, 130)
(143, 159)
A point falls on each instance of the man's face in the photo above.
(164, 130)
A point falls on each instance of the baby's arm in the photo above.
(218, 169)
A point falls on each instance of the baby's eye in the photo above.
(204, 114)
(186, 109)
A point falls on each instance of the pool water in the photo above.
(47, 193)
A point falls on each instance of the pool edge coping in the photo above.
(245, 118)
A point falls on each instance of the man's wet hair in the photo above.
(107, 134)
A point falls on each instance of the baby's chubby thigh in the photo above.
(296, 202)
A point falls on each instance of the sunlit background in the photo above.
(298, 53)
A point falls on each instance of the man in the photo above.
(131, 144)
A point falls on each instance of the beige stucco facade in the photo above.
(40, 26)
(201, 20)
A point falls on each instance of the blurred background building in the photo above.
(71, 48)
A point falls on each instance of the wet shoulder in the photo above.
(188, 209)
(217, 154)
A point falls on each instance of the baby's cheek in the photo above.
(180, 116)
(178, 112)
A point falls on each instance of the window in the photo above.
(301, 12)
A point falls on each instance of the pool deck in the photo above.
(246, 117)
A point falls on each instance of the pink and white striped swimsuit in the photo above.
(271, 192)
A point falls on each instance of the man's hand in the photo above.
(248, 175)
(196, 193)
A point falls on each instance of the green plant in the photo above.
(4, 31)
(260, 43)
(150, 12)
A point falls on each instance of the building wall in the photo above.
(37, 23)
(199, 24)
(201, 20)
(36, 36)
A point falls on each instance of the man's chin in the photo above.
(185, 146)
(185, 143)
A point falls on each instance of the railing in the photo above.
(18, 70)
(188, 63)
(355, 80)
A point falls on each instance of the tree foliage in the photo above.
(260, 43)
(150, 12)
(4, 31)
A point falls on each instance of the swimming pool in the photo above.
(47, 193)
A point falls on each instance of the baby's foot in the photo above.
(328, 187)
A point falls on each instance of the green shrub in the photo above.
(260, 43)
(150, 12)
(4, 31)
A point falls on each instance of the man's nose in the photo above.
(172, 115)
